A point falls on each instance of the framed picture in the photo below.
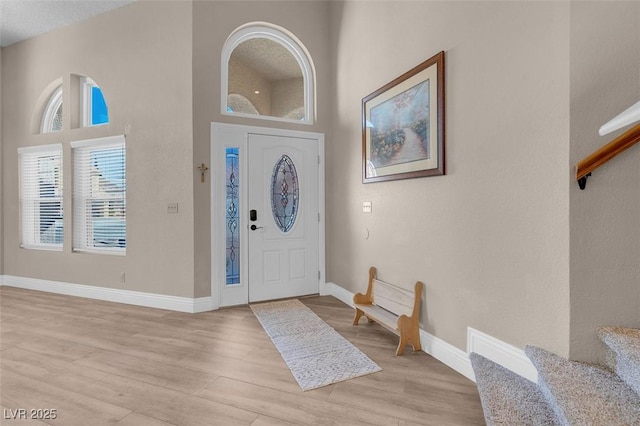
(403, 125)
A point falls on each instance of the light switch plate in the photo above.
(366, 207)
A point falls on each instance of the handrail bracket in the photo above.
(582, 182)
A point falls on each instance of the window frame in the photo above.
(29, 238)
(288, 40)
(86, 102)
(81, 179)
(48, 117)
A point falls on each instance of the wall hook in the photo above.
(203, 168)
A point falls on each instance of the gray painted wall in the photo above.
(490, 239)
(140, 55)
(605, 217)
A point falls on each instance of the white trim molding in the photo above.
(501, 353)
(225, 135)
(447, 354)
(340, 293)
(628, 116)
(151, 300)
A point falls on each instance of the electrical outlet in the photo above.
(172, 207)
(366, 207)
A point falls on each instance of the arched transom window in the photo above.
(267, 72)
(92, 106)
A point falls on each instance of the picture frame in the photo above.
(403, 125)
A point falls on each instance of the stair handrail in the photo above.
(609, 151)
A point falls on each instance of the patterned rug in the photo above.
(315, 353)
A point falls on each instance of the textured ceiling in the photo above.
(270, 59)
(23, 19)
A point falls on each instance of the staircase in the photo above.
(567, 392)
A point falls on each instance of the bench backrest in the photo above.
(393, 298)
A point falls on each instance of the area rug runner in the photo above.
(315, 353)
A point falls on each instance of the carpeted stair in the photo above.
(567, 392)
(624, 344)
(508, 398)
(582, 394)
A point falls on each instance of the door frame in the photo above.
(237, 135)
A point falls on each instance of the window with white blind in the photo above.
(41, 207)
(99, 195)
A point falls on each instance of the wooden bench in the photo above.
(394, 308)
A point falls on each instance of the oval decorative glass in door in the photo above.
(284, 193)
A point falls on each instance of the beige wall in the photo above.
(605, 217)
(490, 239)
(213, 22)
(505, 242)
(141, 56)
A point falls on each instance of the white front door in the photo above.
(269, 180)
(283, 217)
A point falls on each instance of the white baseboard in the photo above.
(340, 293)
(151, 300)
(496, 350)
(501, 353)
(447, 354)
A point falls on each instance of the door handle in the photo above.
(254, 227)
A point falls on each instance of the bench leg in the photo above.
(415, 340)
(409, 333)
(401, 345)
(359, 315)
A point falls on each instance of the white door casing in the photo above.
(295, 261)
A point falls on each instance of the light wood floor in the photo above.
(106, 363)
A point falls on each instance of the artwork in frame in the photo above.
(403, 125)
